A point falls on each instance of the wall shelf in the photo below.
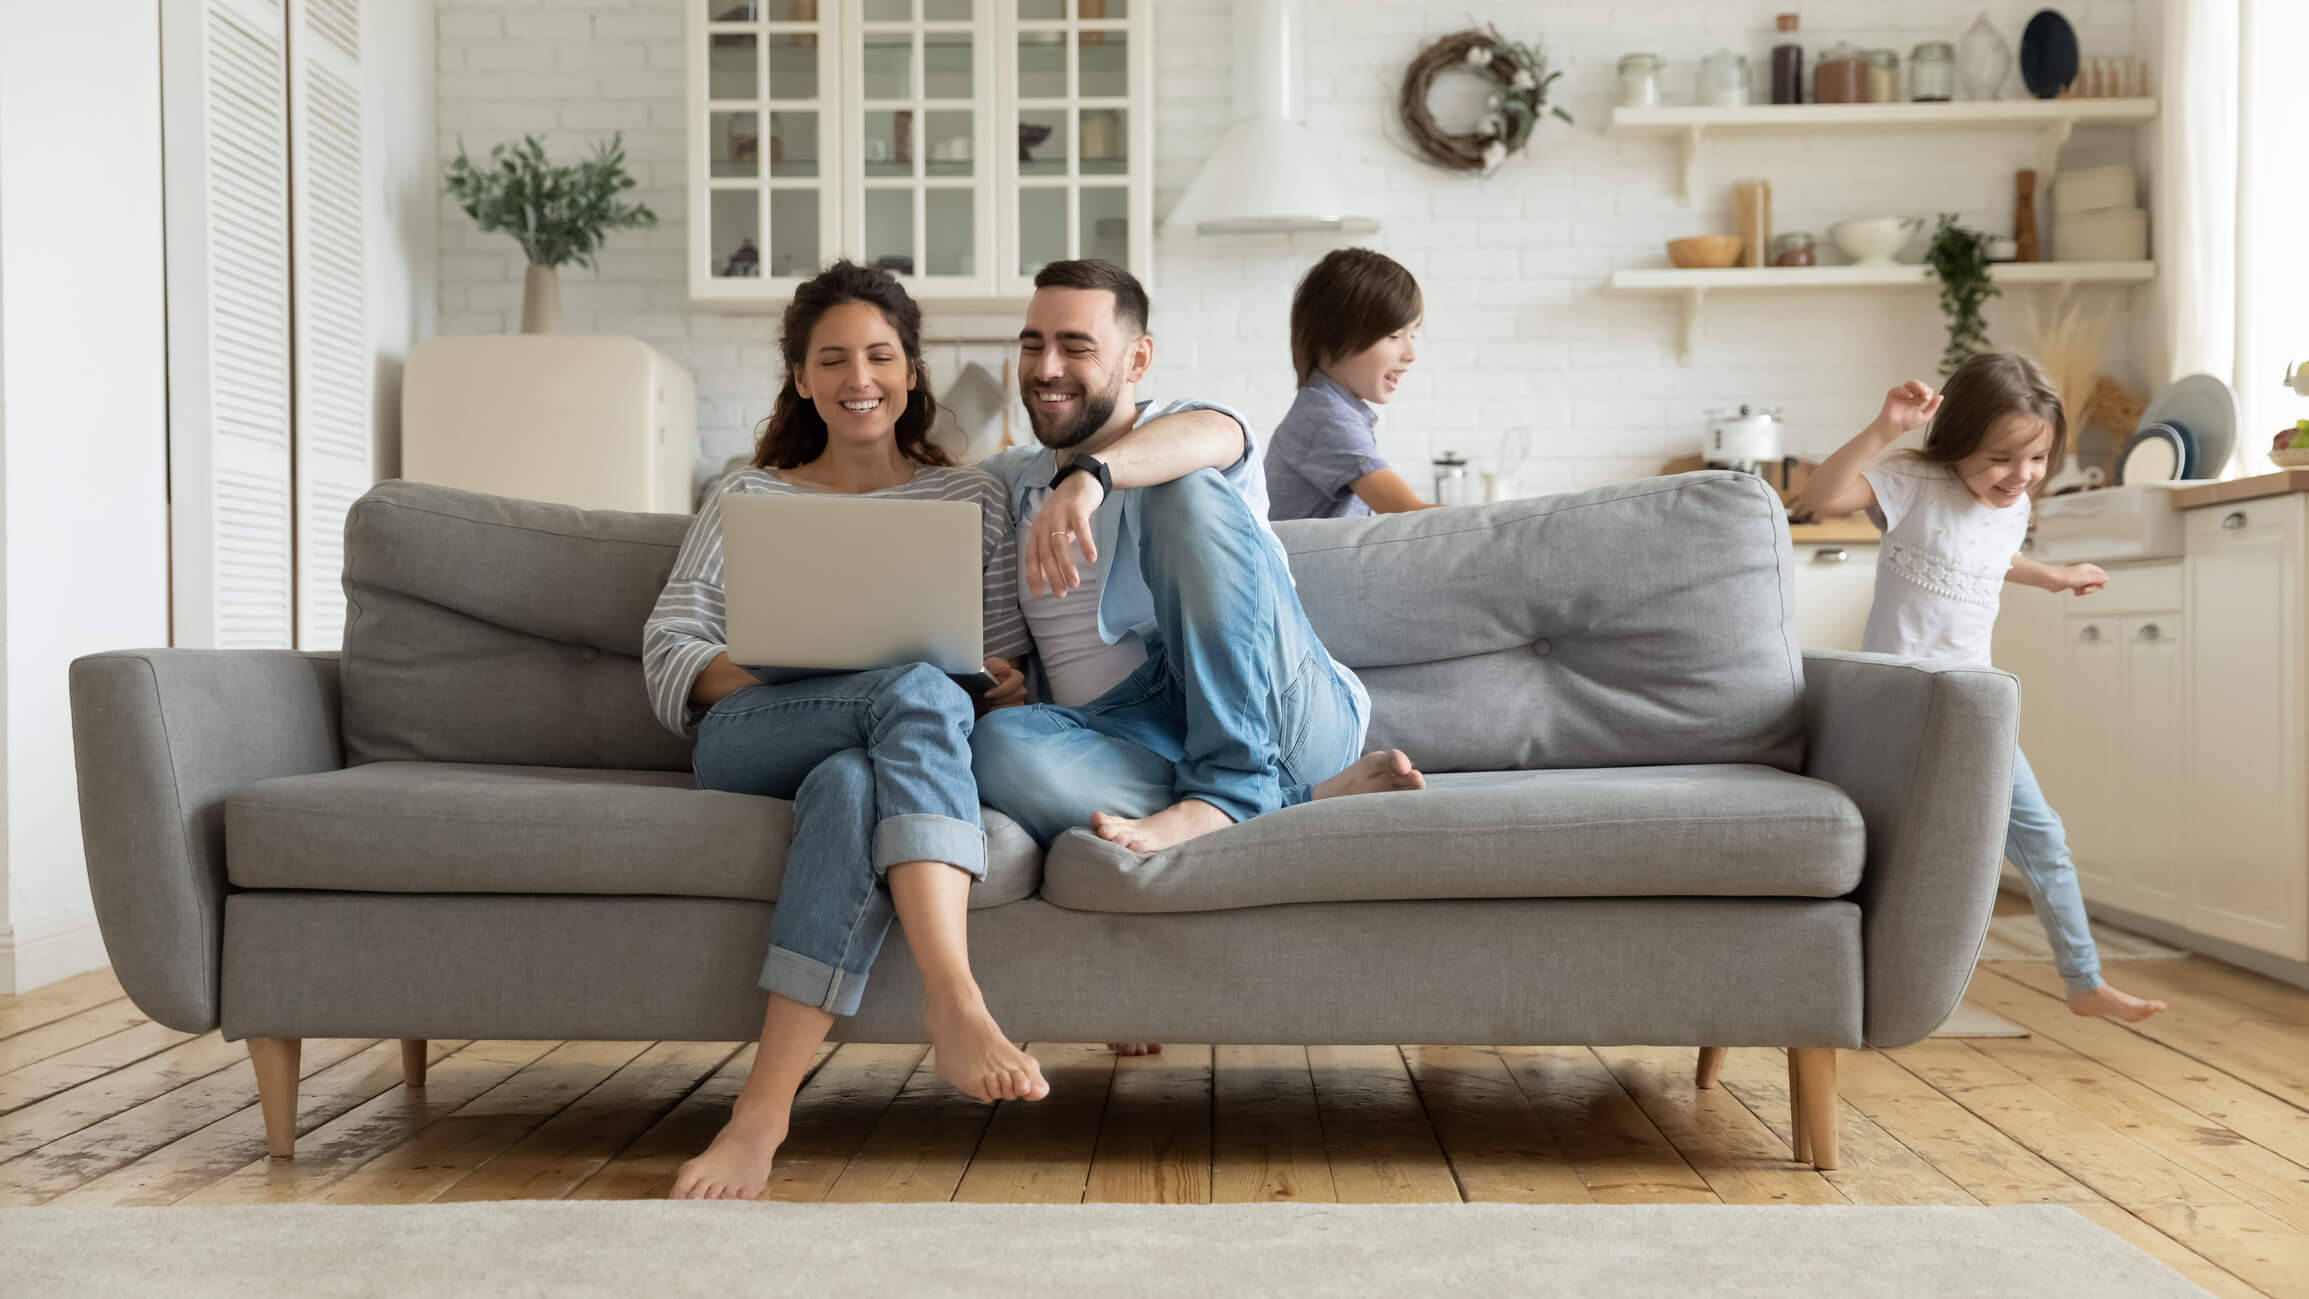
(2053, 118)
(2053, 279)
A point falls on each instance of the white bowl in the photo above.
(1873, 240)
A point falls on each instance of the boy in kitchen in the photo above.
(1353, 319)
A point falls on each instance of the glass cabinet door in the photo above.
(763, 86)
(1080, 179)
(919, 131)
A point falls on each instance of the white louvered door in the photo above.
(225, 167)
(332, 372)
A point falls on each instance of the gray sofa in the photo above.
(1651, 818)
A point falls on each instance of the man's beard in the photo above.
(1097, 409)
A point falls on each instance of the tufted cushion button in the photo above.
(589, 654)
(1543, 647)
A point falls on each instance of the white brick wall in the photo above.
(1520, 331)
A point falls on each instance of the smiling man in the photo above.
(1187, 689)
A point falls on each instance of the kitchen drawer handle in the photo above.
(2235, 520)
(2090, 633)
(2149, 632)
(1831, 555)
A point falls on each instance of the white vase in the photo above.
(1983, 60)
(541, 301)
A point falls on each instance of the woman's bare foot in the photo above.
(1135, 1048)
(2108, 1003)
(736, 1166)
(973, 1055)
(1186, 819)
(1383, 772)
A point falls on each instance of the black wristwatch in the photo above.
(1091, 465)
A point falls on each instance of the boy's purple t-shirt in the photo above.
(1327, 440)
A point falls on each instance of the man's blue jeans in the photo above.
(2037, 846)
(1238, 705)
(878, 766)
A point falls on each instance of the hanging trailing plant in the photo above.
(559, 214)
(1959, 259)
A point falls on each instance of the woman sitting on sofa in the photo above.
(878, 762)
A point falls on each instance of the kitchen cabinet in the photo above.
(2246, 781)
(2168, 720)
(1834, 584)
(959, 144)
(2102, 716)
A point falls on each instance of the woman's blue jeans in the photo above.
(2037, 846)
(877, 764)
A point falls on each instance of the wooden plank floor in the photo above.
(2188, 1135)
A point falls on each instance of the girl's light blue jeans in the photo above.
(2037, 846)
(877, 764)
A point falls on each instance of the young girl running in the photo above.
(1352, 321)
(1954, 515)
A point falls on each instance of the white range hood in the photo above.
(1270, 174)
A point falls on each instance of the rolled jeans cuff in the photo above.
(923, 836)
(812, 982)
(2082, 981)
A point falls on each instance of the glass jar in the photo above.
(1883, 77)
(1841, 76)
(1454, 485)
(1724, 79)
(1640, 81)
(1932, 73)
(1794, 248)
(1788, 64)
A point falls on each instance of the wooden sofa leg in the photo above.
(1796, 1143)
(275, 1059)
(413, 1061)
(1711, 1067)
(1815, 1068)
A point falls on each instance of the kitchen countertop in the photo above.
(1855, 529)
(2241, 489)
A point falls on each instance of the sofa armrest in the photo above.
(160, 738)
(1926, 751)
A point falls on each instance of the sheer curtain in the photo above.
(2272, 221)
(2232, 183)
(2196, 192)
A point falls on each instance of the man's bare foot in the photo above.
(1135, 1048)
(2108, 1003)
(1383, 772)
(736, 1166)
(972, 1054)
(1186, 819)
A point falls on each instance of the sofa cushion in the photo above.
(1628, 626)
(1700, 831)
(485, 629)
(426, 827)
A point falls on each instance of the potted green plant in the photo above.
(1959, 258)
(558, 214)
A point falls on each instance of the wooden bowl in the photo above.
(2290, 457)
(1704, 252)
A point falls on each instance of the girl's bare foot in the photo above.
(1383, 772)
(1186, 819)
(972, 1054)
(1135, 1048)
(2108, 1003)
(736, 1166)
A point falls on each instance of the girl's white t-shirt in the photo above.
(1941, 570)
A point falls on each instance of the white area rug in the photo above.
(1109, 1251)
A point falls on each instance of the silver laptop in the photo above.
(819, 584)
